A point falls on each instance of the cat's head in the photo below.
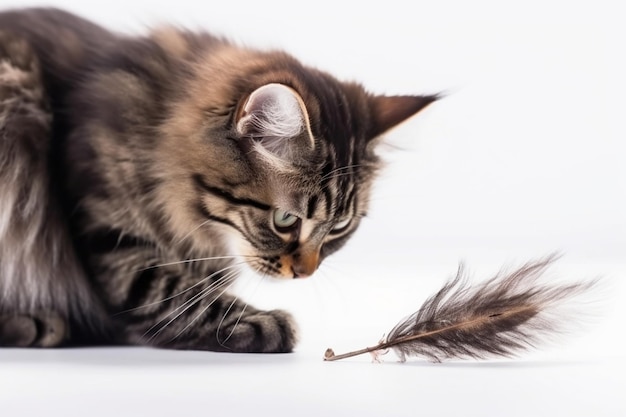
(273, 158)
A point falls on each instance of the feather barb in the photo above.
(499, 317)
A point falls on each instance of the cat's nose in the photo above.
(305, 265)
(299, 272)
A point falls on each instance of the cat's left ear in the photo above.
(389, 111)
(275, 117)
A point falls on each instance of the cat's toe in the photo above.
(17, 331)
(53, 330)
(272, 331)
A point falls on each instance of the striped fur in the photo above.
(122, 158)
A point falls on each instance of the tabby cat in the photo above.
(139, 174)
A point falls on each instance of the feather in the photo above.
(499, 317)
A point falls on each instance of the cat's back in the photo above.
(63, 42)
(55, 34)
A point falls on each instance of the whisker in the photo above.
(186, 261)
(217, 332)
(243, 310)
(331, 282)
(226, 280)
(340, 174)
(183, 291)
(316, 283)
(227, 284)
(193, 231)
(345, 167)
(201, 312)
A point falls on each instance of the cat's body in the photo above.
(121, 157)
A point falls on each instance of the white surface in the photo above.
(524, 157)
(139, 382)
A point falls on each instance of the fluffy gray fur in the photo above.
(130, 194)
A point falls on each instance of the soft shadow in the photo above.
(474, 364)
(513, 364)
(136, 357)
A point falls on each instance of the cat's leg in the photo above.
(233, 326)
(177, 306)
(210, 320)
(40, 330)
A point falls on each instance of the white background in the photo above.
(523, 157)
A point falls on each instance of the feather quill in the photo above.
(499, 317)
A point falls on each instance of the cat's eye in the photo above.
(285, 222)
(341, 225)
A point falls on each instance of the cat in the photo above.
(138, 175)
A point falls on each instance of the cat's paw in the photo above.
(52, 330)
(43, 330)
(17, 331)
(272, 331)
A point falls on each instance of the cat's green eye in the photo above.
(339, 226)
(284, 221)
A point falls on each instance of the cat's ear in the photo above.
(275, 117)
(389, 111)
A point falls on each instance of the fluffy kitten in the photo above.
(120, 157)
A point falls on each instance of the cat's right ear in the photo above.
(274, 117)
(389, 111)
